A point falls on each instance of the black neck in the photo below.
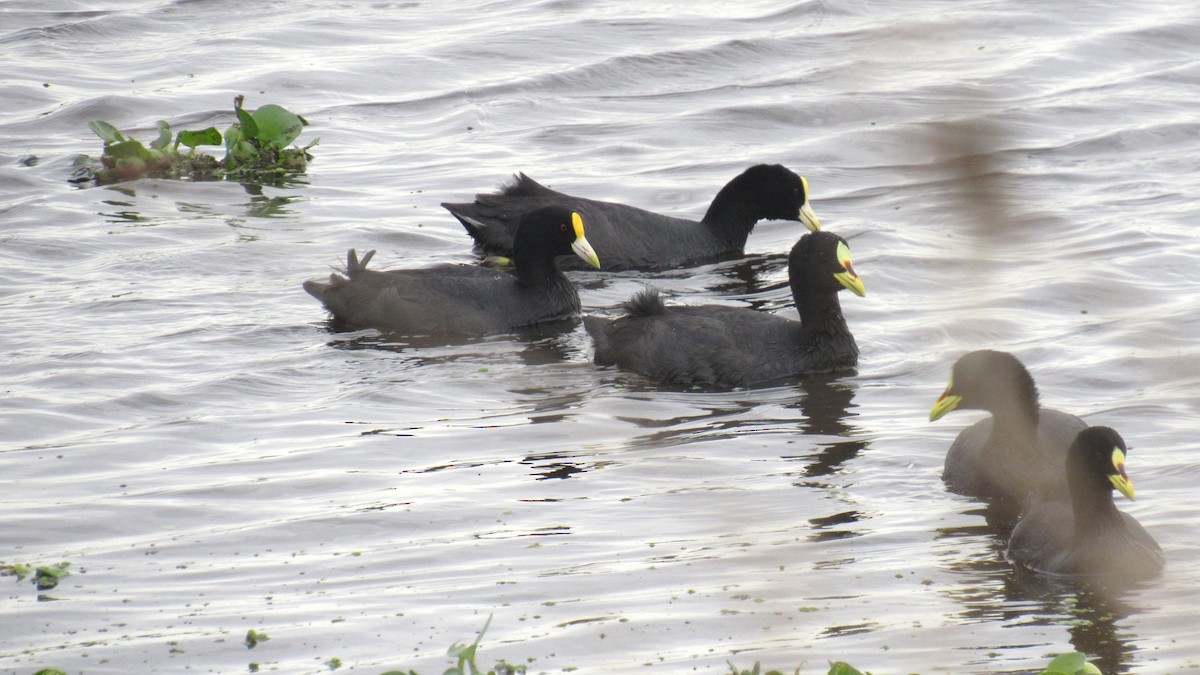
(536, 270)
(1094, 511)
(731, 219)
(823, 326)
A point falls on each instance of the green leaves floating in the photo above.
(253, 637)
(192, 139)
(1071, 663)
(45, 577)
(256, 150)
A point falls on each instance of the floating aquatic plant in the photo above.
(256, 150)
(45, 577)
(465, 654)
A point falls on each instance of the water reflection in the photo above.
(264, 206)
(826, 405)
(992, 589)
(260, 205)
(557, 465)
(826, 528)
(541, 344)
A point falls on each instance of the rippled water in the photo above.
(181, 425)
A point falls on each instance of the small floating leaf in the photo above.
(843, 668)
(277, 126)
(164, 136)
(254, 637)
(209, 136)
(107, 132)
(249, 126)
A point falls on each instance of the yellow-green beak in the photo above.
(847, 276)
(807, 215)
(1119, 479)
(945, 403)
(580, 246)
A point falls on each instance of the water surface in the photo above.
(181, 424)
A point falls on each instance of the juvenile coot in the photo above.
(1005, 458)
(1082, 533)
(734, 346)
(632, 238)
(465, 299)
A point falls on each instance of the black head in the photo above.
(989, 380)
(772, 191)
(820, 261)
(549, 232)
(1096, 462)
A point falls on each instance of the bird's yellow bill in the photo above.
(1120, 479)
(806, 214)
(945, 403)
(847, 277)
(580, 246)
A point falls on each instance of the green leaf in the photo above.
(249, 126)
(277, 126)
(20, 571)
(209, 136)
(107, 132)
(233, 136)
(1069, 663)
(254, 637)
(842, 668)
(127, 150)
(48, 576)
(164, 136)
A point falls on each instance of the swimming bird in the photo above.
(735, 346)
(1005, 458)
(632, 238)
(466, 299)
(1082, 533)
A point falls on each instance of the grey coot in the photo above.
(1019, 450)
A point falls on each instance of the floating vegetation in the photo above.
(256, 150)
(465, 654)
(45, 577)
(254, 637)
(1071, 663)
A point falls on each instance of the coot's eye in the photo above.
(562, 226)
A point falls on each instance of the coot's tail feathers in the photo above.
(597, 327)
(646, 302)
(354, 267)
(521, 186)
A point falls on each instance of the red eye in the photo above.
(562, 226)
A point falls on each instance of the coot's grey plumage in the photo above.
(1016, 452)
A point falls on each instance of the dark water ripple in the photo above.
(182, 425)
